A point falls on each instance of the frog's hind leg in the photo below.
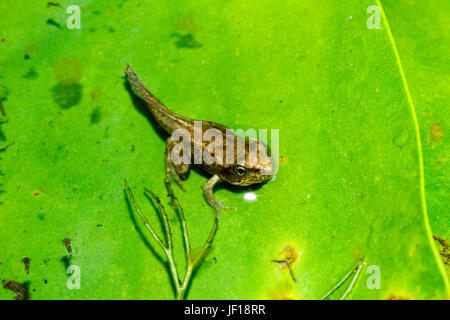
(172, 169)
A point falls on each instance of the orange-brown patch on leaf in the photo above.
(67, 71)
(282, 291)
(96, 94)
(187, 24)
(287, 259)
(436, 132)
(402, 296)
(289, 254)
(37, 192)
(357, 252)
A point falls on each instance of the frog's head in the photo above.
(256, 168)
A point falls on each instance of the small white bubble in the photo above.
(250, 196)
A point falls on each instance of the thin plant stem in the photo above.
(167, 250)
(181, 286)
(352, 284)
(144, 219)
(164, 217)
(358, 268)
(209, 240)
(180, 212)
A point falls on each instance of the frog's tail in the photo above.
(141, 90)
(158, 109)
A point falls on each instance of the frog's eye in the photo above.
(240, 171)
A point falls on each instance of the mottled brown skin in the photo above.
(244, 173)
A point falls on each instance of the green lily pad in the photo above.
(349, 185)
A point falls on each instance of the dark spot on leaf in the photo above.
(26, 262)
(31, 74)
(52, 22)
(26, 57)
(186, 41)
(66, 242)
(53, 4)
(37, 192)
(66, 262)
(41, 217)
(96, 115)
(67, 96)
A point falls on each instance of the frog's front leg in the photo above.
(208, 193)
(172, 169)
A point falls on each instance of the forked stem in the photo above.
(180, 286)
(357, 270)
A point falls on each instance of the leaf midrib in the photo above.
(419, 148)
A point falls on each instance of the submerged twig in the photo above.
(21, 289)
(2, 110)
(6, 146)
(286, 262)
(180, 285)
(4, 119)
(356, 269)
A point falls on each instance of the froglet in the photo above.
(240, 171)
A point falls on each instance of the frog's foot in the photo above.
(172, 172)
(218, 206)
